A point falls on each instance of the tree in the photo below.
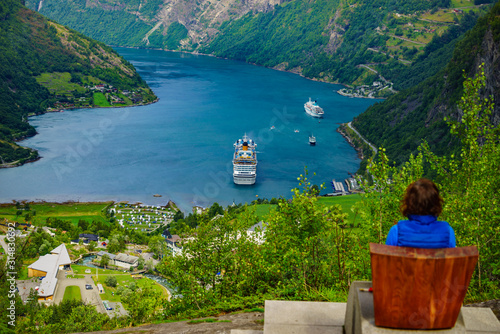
(178, 215)
(116, 242)
(104, 261)
(92, 246)
(83, 225)
(158, 246)
(140, 262)
(110, 281)
(471, 181)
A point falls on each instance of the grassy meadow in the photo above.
(346, 202)
(123, 277)
(39, 212)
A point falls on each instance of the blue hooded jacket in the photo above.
(421, 232)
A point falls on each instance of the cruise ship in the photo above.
(244, 161)
(313, 109)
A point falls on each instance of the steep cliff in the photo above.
(149, 23)
(343, 41)
(404, 120)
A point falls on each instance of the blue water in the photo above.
(181, 147)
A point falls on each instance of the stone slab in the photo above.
(301, 329)
(304, 313)
(480, 320)
(299, 317)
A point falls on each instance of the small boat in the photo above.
(272, 127)
(157, 195)
(296, 131)
(312, 140)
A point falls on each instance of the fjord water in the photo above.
(181, 147)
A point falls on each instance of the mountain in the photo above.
(417, 113)
(349, 42)
(46, 66)
(175, 24)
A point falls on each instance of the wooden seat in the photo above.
(416, 288)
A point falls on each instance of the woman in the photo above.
(422, 205)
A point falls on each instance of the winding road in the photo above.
(360, 136)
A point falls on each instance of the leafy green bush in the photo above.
(110, 281)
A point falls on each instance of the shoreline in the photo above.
(16, 163)
(93, 107)
(195, 53)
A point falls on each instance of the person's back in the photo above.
(422, 205)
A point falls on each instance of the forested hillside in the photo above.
(346, 41)
(47, 66)
(417, 113)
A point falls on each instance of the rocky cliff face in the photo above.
(203, 18)
(487, 53)
(490, 56)
(140, 21)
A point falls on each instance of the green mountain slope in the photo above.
(403, 121)
(45, 65)
(345, 41)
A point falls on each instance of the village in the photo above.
(91, 267)
(89, 96)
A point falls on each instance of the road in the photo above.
(360, 136)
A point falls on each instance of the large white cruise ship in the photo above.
(313, 109)
(244, 161)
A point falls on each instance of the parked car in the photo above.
(88, 287)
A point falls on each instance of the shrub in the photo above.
(111, 281)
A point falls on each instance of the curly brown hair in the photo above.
(422, 198)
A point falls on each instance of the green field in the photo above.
(71, 211)
(59, 83)
(461, 3)
(72, 292)
(346, 202)
(124, 279)
(100, 100)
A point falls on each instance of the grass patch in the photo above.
(91, 81)
(72, 292)
(79, 269)
(461, 3)
(75, 276)
(59, 83)
(346, 202)
(23, 273)
(100, 100)
(123, 279)
(262, 210)
(198, 321)
(443, 16)
(65, 211)
(255, 309)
